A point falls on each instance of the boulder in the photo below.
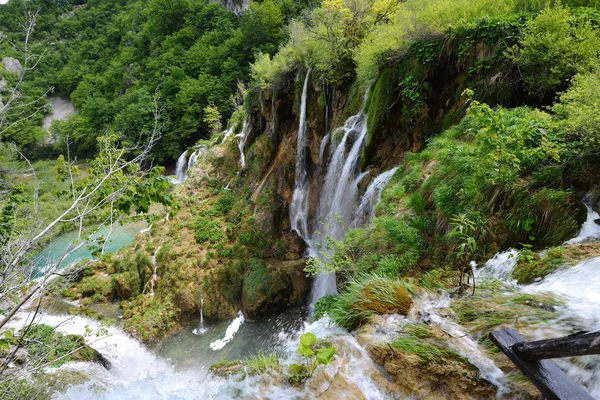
(12, 65)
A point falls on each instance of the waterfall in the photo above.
(201, 329)
(577, 286)
(229, 333)
(154, 274)
(181, 167)
(185, 163)
(372, 196)
(299, 205)
(339, 194)
(227, 135)
(243, 136)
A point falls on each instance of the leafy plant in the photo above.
(314, 353)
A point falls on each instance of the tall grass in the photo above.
(369, 295)
(262, 363)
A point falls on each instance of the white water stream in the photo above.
(339, 196)
(299, 205)
(243, 136)
(578, 287)
(181, 168)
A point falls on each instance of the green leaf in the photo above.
(325, 355)
(296, 369)
(307, 340)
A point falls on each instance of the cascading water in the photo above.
(590, 229)
(339, 195)
(195, 156)
(227, 135)
(185, 163)
(578, 287)
(337, 210)
(299, 205)
(229, 333)
(427, 306)
(154, 274)
(181, 167)
(243, 136)
(201, 329)
(372, 196)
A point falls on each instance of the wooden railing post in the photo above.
(550, 380)
(568, 346)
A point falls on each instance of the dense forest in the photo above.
(364, 190)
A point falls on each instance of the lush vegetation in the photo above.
(112, 58)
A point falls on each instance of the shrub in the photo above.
(323, 305)
(578, 112)
(207, 230)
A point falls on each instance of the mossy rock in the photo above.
(226, 368)
(531, 266)
(92, 285)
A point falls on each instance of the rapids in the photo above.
(578, 287)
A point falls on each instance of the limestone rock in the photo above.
(12, 65)
(3, 85)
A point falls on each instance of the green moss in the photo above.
(149, 320)
(95, 285)
(46, 345)
(418, 330)
(207, 230)
(381, 96)
(531, 266)
(494, 306)
(225, 368)
(258, 283)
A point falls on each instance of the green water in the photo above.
(187, 350)
(120, 237)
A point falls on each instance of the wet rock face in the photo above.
(12, 65)
(273, 287)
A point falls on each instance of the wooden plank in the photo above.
(568, 346)
(550, 380)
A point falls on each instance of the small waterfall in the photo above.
(339, 193)
(228, 134)
(229, 333)
(181, 167)
(299, 205)
(196, 155)
(372, 196)
(201, 329)
(154, 274)
(590, 230)
(243, 136)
